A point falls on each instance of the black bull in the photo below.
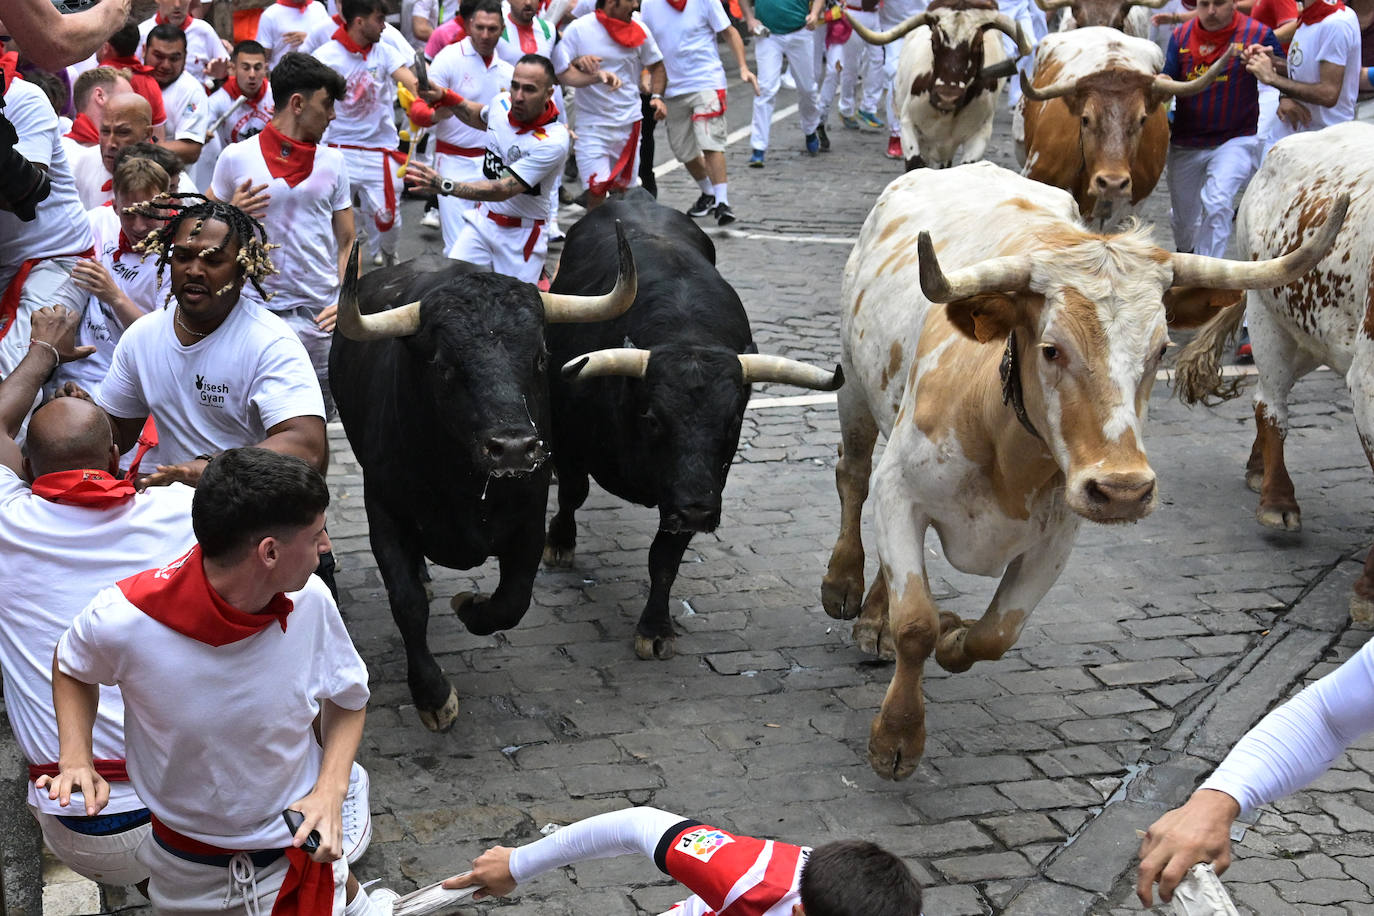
(650, 403)
(442, 389)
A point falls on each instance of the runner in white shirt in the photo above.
(365, 130)
(123, 284)
(285, 25)
(206, 59)
(607, 101)
(527, 33)
(37, 256)
(526, 147)
(322, 33)
(79, 529)
(428, 15)
(182, 94)
(237, 110)
(686, 31)
(1323, 70)
(199, 648)
(307, 210)
(471, 69)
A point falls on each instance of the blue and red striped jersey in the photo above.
(1227, 109)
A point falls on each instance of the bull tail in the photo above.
(1197, 377)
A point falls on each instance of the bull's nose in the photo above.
(514, 452)
(1124, 492)
(695, 518)
(1112, 184)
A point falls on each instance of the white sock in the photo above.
(722, 197)
(360, 905)
(705, 185)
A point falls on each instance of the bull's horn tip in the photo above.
(573, 367)
(838, 382)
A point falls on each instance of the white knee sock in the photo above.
(722, 196)
(360, 905)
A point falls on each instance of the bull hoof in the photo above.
(1289, 519)
(441, 719)
(875, 639)
(558, 557)
(1254, 481)
(895, 756)
(1361, 610)
(842, 598)
(471, 610)
(655, 647)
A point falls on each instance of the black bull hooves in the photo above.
(655, 647)
(441, 719)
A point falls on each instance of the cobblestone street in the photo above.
(1162, 642)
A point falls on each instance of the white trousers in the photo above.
(892, 53)
(108, 859)
(799, 50)
(1203, 184)
(451, 209)
(500, 249)
(861, 61)
(368, 172)
(181, 887)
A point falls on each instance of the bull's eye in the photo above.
(1051, 353)
(1143, 119)
(1086, 121)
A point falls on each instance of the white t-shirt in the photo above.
(101, 328)
(364, 115)
(279, 18)
(219, 739)
(244, 121)
(687, 41)
(459, 67)
(545, 37)
(56, 558)
(224, 391)
(299, 219)
(61, 227)
(390, 35)
(88, 171)
(535, 157)
(436, 11)
(598, 104)
(202, 46)
(1334, 40)
(188, 109)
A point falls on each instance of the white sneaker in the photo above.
(378, 260)
(357, 816)
(556, 234)
(431, 220)
(383, 900)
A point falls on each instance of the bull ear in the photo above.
(1190, 306)
(986, 316)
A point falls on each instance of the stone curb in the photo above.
(21, 879)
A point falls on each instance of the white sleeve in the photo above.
(616, 833)
(268, 32)
(34, 120)
(1295, 743)
(715, 15)
(223, 183)
(542, 162)
(649, 54)
(195, 120)
(565, 51)
(80, 653)
(284, 385)
(120, 394)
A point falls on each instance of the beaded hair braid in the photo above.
(175, 209)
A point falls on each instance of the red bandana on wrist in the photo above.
(287, 159)
(84, 131)
(179, 596)
(550, 113)
(526, 32)
(627, 34)
(183, 24)
(91, 489)
(1206, 47)
(1314, 11)
(231, 86)
(341, 36)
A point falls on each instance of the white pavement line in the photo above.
(734, 137)
(782, 237)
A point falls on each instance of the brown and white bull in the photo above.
(1093, 118)
(1129, 16)
(1324, 318)
(948, 78)
(1007, 354)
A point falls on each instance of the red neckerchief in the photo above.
(91, 489)
(84, 131)
(627, 34)
(678, 5)
(179, 596)
(526, 32)
(1314, 11)
(231, 86)
(1206, 47)
(9, 65)
(290, 160)
(301, 5)
(108, 185)
(125, 246)
(550, 113)
(184, 25)
(341, 36)
(132, 64)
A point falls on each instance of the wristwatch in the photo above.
(446, 186)
(657, 95)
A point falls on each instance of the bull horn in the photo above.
(1219, 273)
(998, 71)
(563, 308)
(1184, 88)
(353, 324)
(891, 35)
(1012, 29)
(1049, 6)
(1006, 274)
(1046, 93)
(626, 361)
(759, 368)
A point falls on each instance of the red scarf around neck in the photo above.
(9, 65)
(184, 24)
(84, 131)
(287, 159)
(231, 86)
(550, 113)
(81, 487)
(528, 45)
(341, 36)
(1206, 46)
(132, 64)
(125, 245)
(296, 4)
(678, 5)
(180, 597)
(627, 34)
(1314, 11)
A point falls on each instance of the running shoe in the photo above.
(868, 120)
(756, 159)
(357, 815)
(704, 205)
(825, 138)
(724, 215)
(813, 144)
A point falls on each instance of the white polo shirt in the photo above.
(223, 391)
(56, 558)
(364, 116)
(687, 41)
(543, 33)
(535, 157)
(202, 44)
(299, 219)
(598, 104)
(280, 18)
(459, 67)
(188, 109)
(219, 739)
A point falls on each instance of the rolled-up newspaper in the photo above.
(433, 899)
(1201, 893)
